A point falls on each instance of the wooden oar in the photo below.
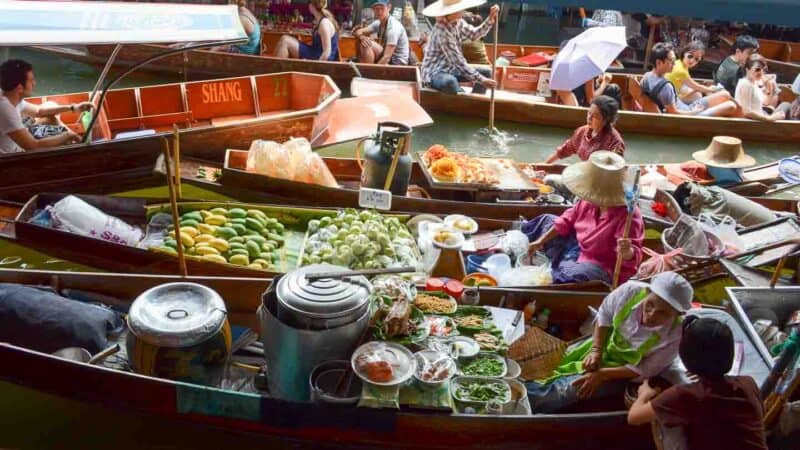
(626, 231)
(494, 65)
(176, 220)
(176, 147)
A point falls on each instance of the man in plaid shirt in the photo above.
(444, 64)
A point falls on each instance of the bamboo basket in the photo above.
(537, 353)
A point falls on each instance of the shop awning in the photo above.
(65, 23)
(767, 12)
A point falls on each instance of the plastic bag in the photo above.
(76, 216)
(652, 180)
(293, 160)
(688, 235)
(725, 229)
(157, 230)
(526, 276)
(514, 243)
(658, 263)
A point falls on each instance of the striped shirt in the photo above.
(443, 52)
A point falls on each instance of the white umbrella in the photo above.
(586, 56)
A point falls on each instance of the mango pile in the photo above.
(236, 236)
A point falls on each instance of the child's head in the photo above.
(706, 347)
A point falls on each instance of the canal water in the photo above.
(530, 143)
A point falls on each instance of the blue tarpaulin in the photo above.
(768, 12)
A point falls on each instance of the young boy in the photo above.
(715, 412)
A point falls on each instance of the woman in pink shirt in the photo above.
(584, 241)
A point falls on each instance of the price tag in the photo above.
(375, 198)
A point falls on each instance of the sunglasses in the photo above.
(760, 69)
(691, 56)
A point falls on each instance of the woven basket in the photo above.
(537, 353)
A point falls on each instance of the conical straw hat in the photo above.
(445, 7)
(726, 152)
(598, 180)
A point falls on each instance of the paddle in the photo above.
(631, 207)
(176, 220)
(492, 129)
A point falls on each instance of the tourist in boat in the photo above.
(392, 45)
(324, 37)
(716, 411)
(25, 126)
(598, 133)
(687, 88)
(252, 27)
(583, 243)
(758, 95)
(636, 336)
(444, 64)
(731, 69)
(658, 89)
(794, 112)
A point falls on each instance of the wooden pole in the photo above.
(625, 232)
(650, 42)
(176, 220)
(494, 65)
(176, 147)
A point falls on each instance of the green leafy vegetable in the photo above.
(484, 366)
(482, 391)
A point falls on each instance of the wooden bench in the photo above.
(635, 90)
(156, 122)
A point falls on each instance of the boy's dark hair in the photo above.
(473, 19)
(13, 73)
(661, 51)
(706, 347)
(745, 41)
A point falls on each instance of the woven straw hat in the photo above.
(598, 180)
(445, 7)
(726, 152)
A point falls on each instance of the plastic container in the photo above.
(434, 284)
(323, 380)
(474, 263)
(479, 406)
(497, 264)
(454, 288)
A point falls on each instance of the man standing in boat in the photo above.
(392, 44)
(19, 128)
(444, 65)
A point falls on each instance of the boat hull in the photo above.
(541, 113)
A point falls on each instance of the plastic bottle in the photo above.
(543, 319)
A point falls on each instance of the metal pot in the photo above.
(179, 331)
(304, 323)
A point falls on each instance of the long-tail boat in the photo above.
(783, 57)
(210, 116)
(105, 395)
(518, 100)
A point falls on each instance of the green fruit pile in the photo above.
(235, 236)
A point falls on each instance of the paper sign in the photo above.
(375, 198)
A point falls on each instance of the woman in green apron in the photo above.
(636, 336)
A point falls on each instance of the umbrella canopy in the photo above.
(586, 56)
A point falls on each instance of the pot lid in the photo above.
(177, 314)
(323, 298)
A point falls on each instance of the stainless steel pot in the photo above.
(304, 323)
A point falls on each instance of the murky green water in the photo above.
(531, 142)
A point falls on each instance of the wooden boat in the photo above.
(186, 415)
(516, 101)
(783, 57)
(204, 64)
(211, 116)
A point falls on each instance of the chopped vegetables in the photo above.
(482, 391)
(484, 366)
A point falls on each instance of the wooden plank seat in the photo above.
(635, 89)
(156, 122)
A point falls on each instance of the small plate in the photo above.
(399, 357)
(456, 242)
(452, 219)
(414, 222)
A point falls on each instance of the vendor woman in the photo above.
(582, 244)
(598, 133)
(636, 336)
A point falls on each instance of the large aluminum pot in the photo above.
(304, 323)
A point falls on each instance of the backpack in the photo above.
(653, 94)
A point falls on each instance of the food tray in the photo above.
(511, 178)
